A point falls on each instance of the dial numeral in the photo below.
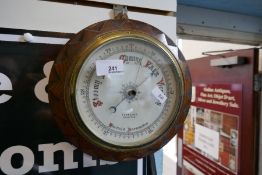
(82, 91)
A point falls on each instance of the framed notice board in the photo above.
(220, 132)
(31, 143)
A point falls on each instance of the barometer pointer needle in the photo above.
(137, 72)
(113, 108)
(143, 81)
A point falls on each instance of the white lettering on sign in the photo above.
(109, 67)
(49, 151)
(105, 162)
(40, 88)
(5, 84)
(6, 157)
(88, 161)
(159, 95)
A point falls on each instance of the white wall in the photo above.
(193, 49)
(69, 18)
(168, 5)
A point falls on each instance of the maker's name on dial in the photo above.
(129, 115)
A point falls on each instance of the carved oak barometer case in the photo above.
(120, 89)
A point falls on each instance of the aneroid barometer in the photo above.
(120, 89)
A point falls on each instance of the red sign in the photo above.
(211, 130)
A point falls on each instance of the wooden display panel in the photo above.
(236, 125)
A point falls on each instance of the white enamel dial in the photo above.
(121, 109)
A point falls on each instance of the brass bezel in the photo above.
(73, 73)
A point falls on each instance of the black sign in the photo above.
(31, 143)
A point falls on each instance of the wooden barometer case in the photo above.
(120, 89)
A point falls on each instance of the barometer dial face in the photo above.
(135, 106)
(122, 109)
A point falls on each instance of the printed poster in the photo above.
(211, 130)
